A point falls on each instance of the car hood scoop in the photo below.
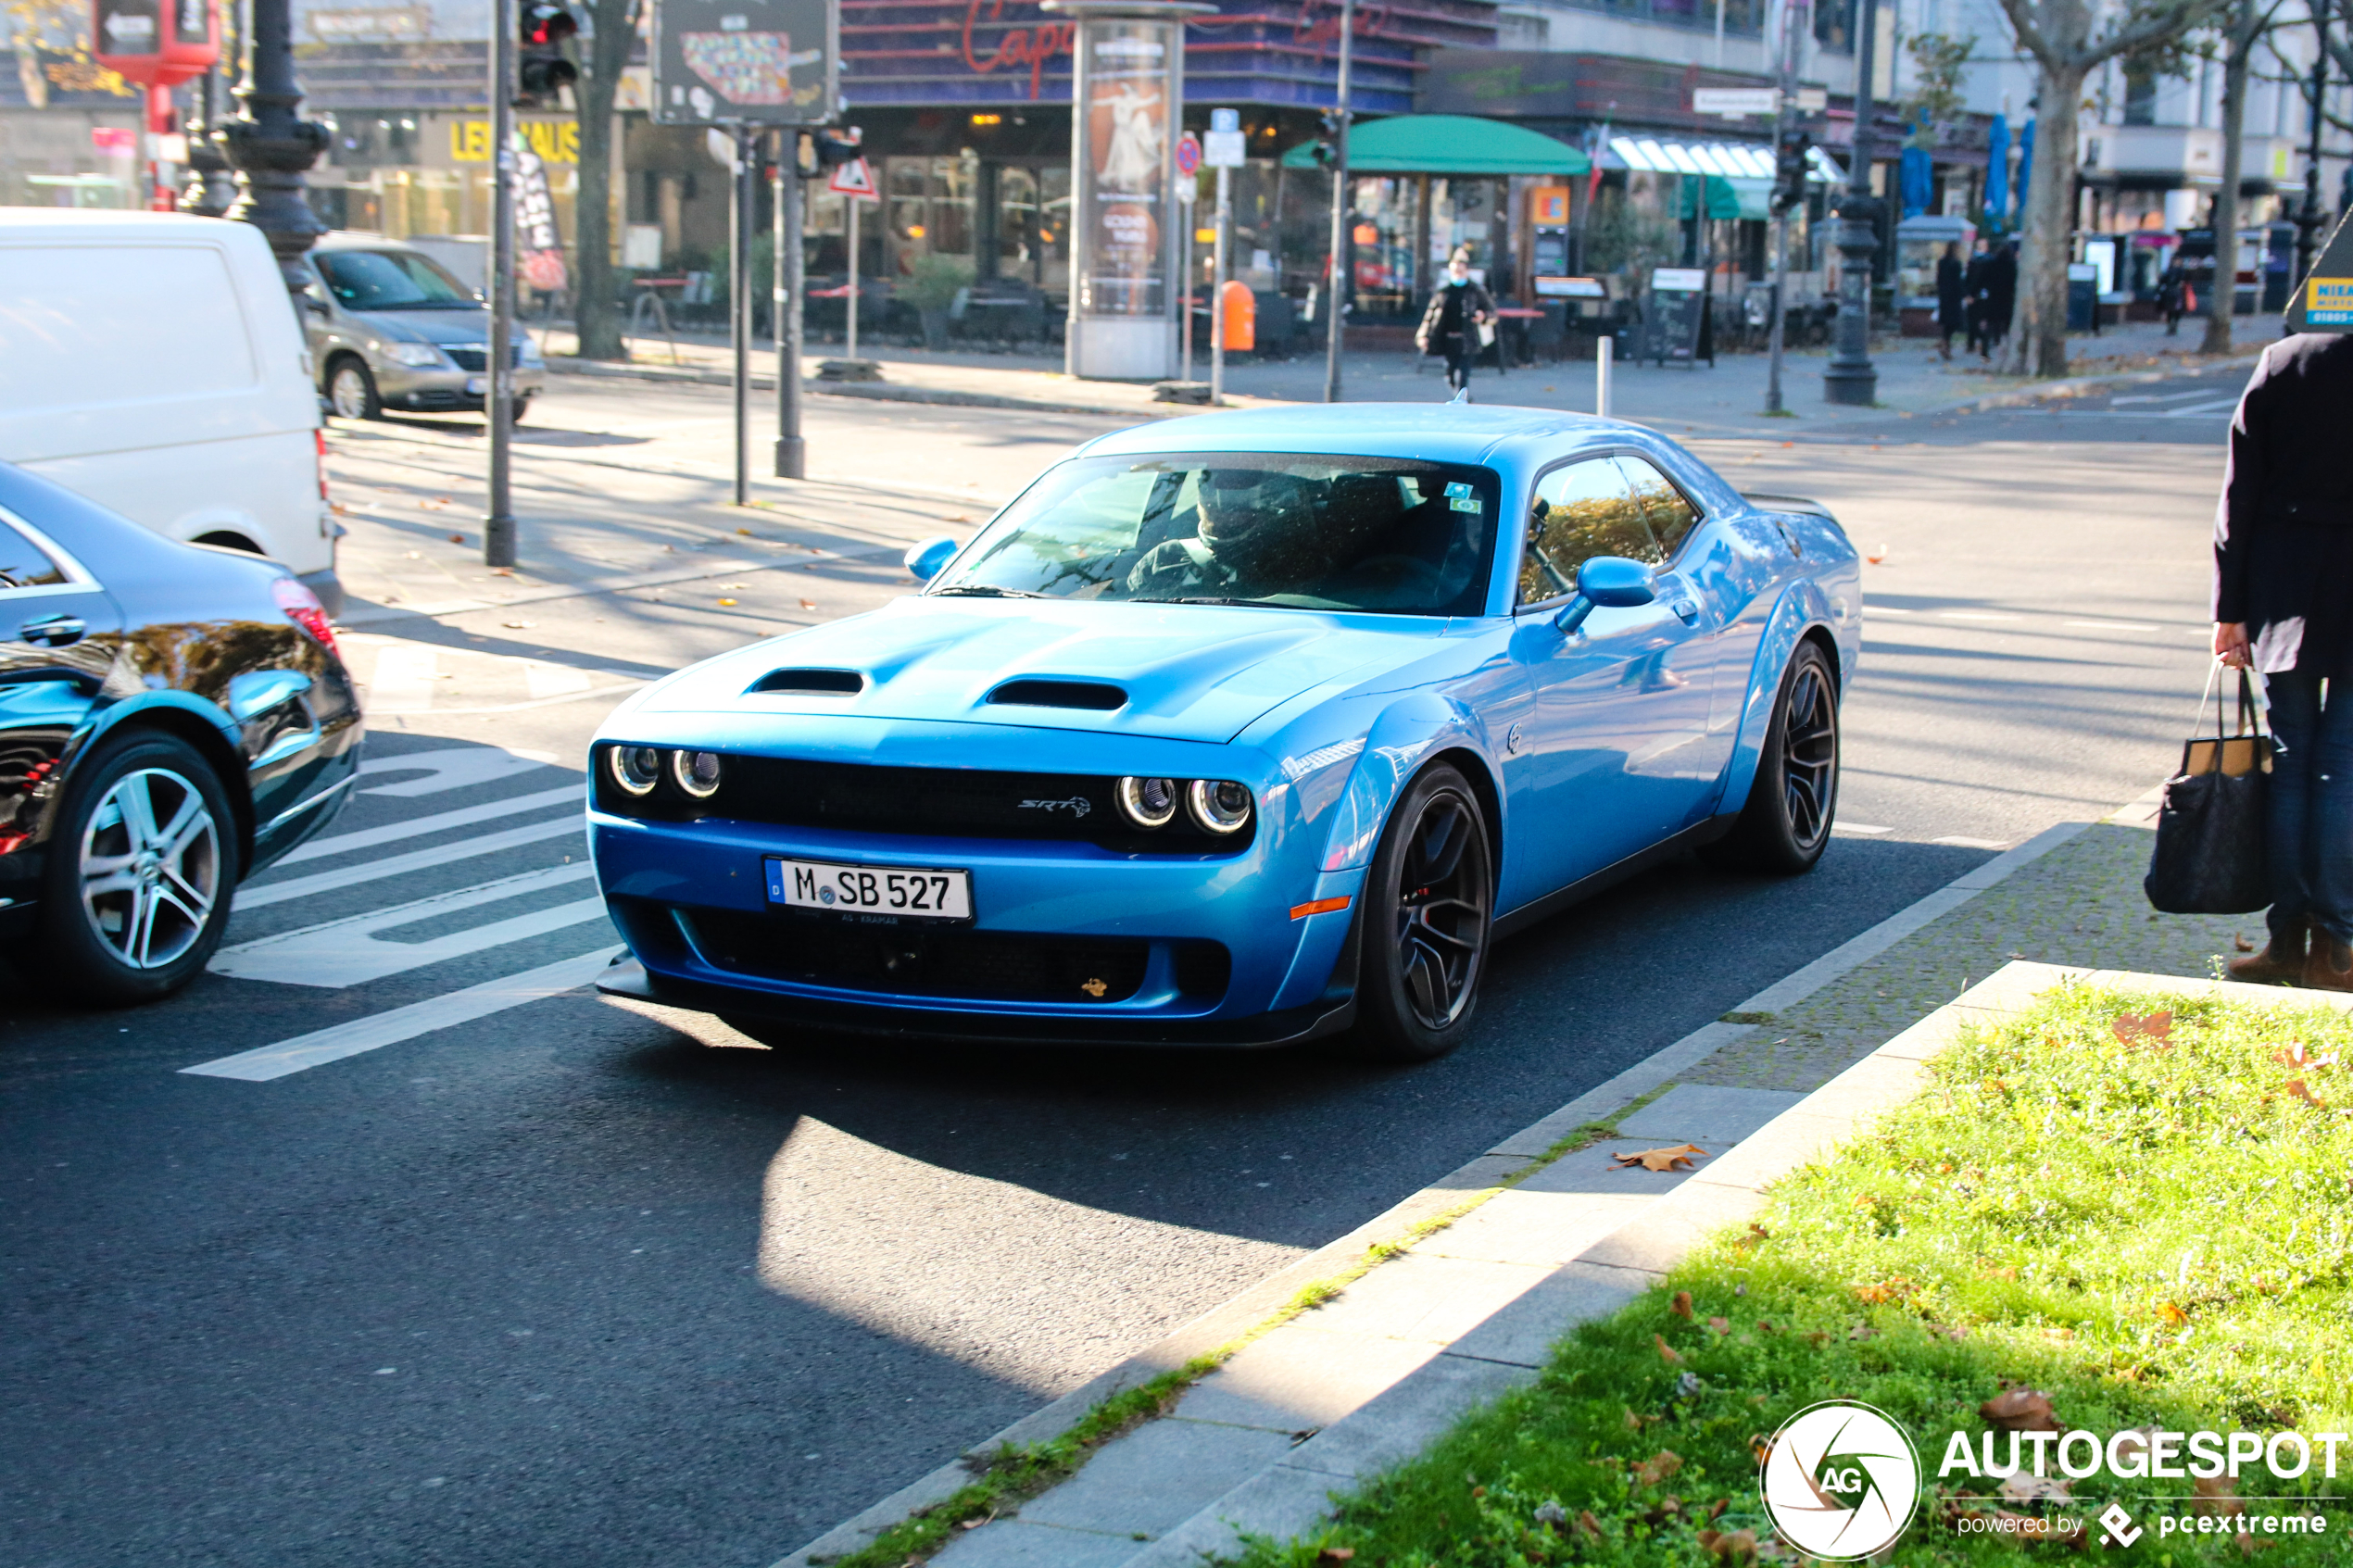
(1181, 672)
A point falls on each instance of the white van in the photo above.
(154, 362)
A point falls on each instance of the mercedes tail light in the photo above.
(302, 607)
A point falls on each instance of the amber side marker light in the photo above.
(1319, 907)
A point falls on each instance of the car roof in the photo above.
(359, 239)
(1448, 432)
(84, 223)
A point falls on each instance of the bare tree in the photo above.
(2068, 40)
(2242, 25)
(595, 311)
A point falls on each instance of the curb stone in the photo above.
(1420, 1403)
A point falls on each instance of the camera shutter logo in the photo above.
(1842, 1481)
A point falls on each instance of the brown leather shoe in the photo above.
(2328, 966)
(2281, 962)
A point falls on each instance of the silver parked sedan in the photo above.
(392, 330)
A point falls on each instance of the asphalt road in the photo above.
(580, 1284)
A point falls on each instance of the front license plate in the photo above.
(900, 891)
(477, 385)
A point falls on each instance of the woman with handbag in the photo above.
(2283, 607)
(1458, 322)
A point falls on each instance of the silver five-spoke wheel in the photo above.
(151, 868)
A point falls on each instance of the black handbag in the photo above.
(2209, 858)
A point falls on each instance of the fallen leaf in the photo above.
(2020, 1409)
(1880, 558)
(2146, 1029)
(2026, 1487)
(1667, 1352)
(1676, 1158)
(2217, 1495)
(517, 625)
(1669, 1507)
(1757, 1233)
(1817, 1338)
(1733, 1546)
(809, 604)
(1894, 1289)
(1588, 1525)
(1681, 1305)
(745, 531)
(1336, 1554)
(726, 601)
(457, 538)
(2170, 1315)
(1633, 1422)
(1658, 1467)
(1953, 1332)
(1764, 1326)
(1721, 1325)
(2241, 944)
(2296, 1086)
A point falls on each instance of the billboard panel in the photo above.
(755, 62)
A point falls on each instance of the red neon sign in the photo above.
(1023, 46)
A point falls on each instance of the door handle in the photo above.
(1686, 610)
(53, 631)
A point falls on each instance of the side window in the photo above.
(1583, 510)
(1670, 517)
(23, 564)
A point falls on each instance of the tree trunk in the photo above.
(2241, 41)
(595, 308)
(2049, 221)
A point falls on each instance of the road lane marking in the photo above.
(361, 1035)
(545, 680)
(440, 822)
(1976, 615)
(2200, 410)
(2160, 397)
(1958, 842)
(2111, 625)
(456, 767)
(401, 865)
(338, 953)
(402, 682)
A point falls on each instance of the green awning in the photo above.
(1448, 144)
(1728, 198)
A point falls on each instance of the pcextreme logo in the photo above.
(1841, 1481)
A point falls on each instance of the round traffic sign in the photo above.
(1189, 154)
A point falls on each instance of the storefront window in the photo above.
(1381, 231)
(1033, 226)
(930, 200)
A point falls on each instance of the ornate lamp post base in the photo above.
(271, 146)
(1850, 377)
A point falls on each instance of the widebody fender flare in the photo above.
(1407, 734)
(1802, 608)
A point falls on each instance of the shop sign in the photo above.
(552, 140)
(716, 63)
(1023, 47)
(375, 24)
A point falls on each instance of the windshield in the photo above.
(392, 279)
(1308, 532)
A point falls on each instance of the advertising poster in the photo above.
(764, 62)
(539, 246)
(1123, 270)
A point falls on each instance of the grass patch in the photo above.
(2149, 1230)
(1007, 1477)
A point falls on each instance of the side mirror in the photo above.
(313, 304)
(1611, 582)
(924, 560)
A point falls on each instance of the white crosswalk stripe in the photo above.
(409, 923)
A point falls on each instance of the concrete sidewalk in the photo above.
(1486, 1269)
(1723, 400)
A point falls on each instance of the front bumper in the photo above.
(427, 389)
(1196, 949)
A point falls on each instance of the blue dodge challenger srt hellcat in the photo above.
(1239, 730)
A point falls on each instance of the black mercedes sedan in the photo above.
(172, 719)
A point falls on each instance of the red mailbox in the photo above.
(157, 44)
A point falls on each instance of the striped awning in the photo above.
(1729, 160)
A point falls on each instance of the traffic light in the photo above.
(1790, 160)
(545, 77)
(1326, 152)
(835, 148)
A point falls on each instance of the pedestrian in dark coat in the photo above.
(2283, 606)
(1973, 298)
(1450, 326)
(1951, 316)
(2001, 294)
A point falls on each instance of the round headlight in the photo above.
(1148, 803)
(1220, 805)
(696, 773)
(636, 769)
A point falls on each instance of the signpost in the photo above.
(1736, 103)
(1225, 150)
(714, 64)
(1187, 191)
(854, 182)
(157, 44)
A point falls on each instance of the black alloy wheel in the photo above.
(1424, 922)
(1786, 825)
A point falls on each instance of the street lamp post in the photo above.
(2309, 218)
(270, 145)
(210, 191)
(1344, 247)
(1850, 377)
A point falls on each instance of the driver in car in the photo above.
(1258, 533)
